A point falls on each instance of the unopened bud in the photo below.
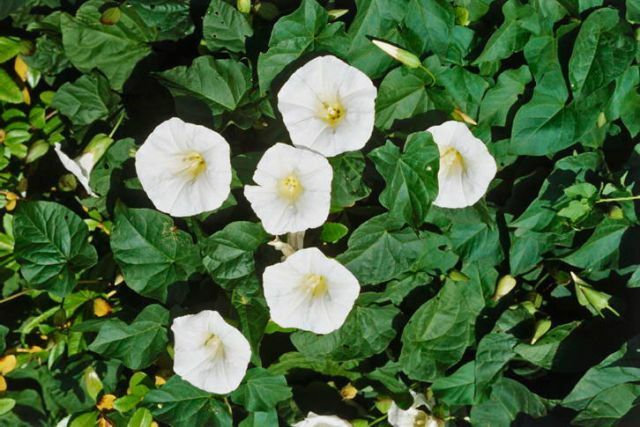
(337, 13)
(348, 392)
(110, 16)
(98, 145)
(101, 307)
(244, 6)
(37, 150)
(541, 328)
(458, 276)
(399, 54)
(461, 116)
(592, 299)
(505, 285)
(67, 182)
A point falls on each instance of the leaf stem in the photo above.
(618, 199)
(431, 76)
(14, 296)
(378, 420)
(117, 125)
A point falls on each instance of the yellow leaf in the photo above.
(3, 384)
(106, 402)
(21, 68)
(101, 307)
(7, 364)
(26, 96)
(159, 380)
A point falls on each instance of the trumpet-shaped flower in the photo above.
(466, 166)
(310, 291)
(315, 420)
(328, 106)
(82, 165)
(209, 353)
(185, 169)
(294, 189)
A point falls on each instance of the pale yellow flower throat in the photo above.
(194, 164)
(215, 346)
(290, 188)
(332, 113)
(451, 159)
(315, 284)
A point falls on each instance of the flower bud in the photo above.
(594, 300)
(37, 150)
(244, 6)
(348, 392)
(541, 328)
(98, 145)
(337, 13)
(505, 285)
(110, 16)
(399, 54)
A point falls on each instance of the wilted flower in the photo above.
(185, 169)
(82, 165)
(315, 420)
(294, 189)
(328, 106)
(209, 353)
(466, 166)
(310, 291)
(412, 417)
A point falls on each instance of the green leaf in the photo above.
(3, 335)
(546, 350)
(609, 406)
(411, 177)
(86, 100)
(380, 250)
(152, 253)
(621, 367)
(180, 404)
(113, 49)
(9, 90)
(498, 100)
(602, 52)
(439, 332)
(303, 31)
(224, 27)
(9, 48)
(510, 37)
(228, 254)
(124, 342)
(495, 350)
(508, 399)
(347, 186)
(366, 332)
(261, 390)
(6, 405)
(170, 18)
(333, 231)
(259, 419)
(402, 94)
(141, 418)
(457, 388)
(374, 18)
(544, 125)
(601, 248)
(432, 23)
(222, 84)
(51, 244)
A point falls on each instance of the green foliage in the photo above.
(90, 285)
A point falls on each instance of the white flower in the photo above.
(466, 166)
(412, 417)
(82, 165)
(294, 189)
(209, 353)
(310, 291)
(315, 420)
(185, 169)
(328, 106)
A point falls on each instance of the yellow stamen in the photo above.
(290, 188)
(214, 344)
(194, 164)
(332, 113)
(451, 158)
(315, 284)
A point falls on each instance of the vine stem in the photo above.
(14, 296)
(117, 125)
(618, 199)
(431, 76)
(378, 420)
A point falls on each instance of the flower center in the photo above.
(332, 113)
(215, 346)
(290, 188)
(451, 159)
(194, 164)
(315, 284)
